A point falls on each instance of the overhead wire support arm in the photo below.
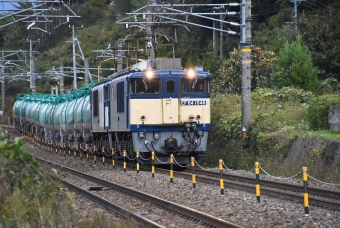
(231, 13)
(195, 5)
(210, 18)
(203, 26)
(36, 12)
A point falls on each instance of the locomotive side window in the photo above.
(120, 97)
(95, 103)
(170, 86)
(196, 85)
(142, 85)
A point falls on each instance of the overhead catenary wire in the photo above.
(271, 10)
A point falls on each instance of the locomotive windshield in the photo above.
(142, 85)
(196, 85)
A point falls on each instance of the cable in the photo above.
(273, 9)
(323, 11)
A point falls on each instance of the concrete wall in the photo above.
(334, 117)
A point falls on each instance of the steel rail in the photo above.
(183, 210)
(315, 201)
(140, 220)
(275, 184)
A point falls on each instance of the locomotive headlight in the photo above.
(191, 117)
(149, 73)
(190, 73)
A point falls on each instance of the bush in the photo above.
(285, 94)
(29, 197)
(317, 112)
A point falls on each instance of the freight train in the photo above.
(165, 111)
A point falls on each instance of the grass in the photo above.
(327, 134)
(278, 118)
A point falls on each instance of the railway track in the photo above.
(312, 191)
(141, 221)
(183, 211)
(319, 197)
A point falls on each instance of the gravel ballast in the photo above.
(236, 206)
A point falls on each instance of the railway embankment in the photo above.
(290, 129)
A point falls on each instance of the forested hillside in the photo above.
(295, 64)
(272, 27)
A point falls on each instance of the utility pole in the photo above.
(246, 65)
(2, 62)
(149, 33)
(32, 74)
(295, 14)
(221, 37)
(87, 76)
(61, 78)
(214, 37)
(74, 60)
(74, 44)
(295, 17)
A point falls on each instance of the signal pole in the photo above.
(246, 65)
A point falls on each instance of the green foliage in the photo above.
(284, 94)
(295, 67)
(123, 6)
(321, 33)
(102, 221)
(277, 115)
(29, 197)
(328, 86)
(229, 79)
(317, 111)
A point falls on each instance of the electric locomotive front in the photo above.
(170, 114)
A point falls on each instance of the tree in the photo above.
(295, 67)
(321, 34)
(229, 78)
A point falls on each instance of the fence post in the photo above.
(95, 154)
(124, 155)
(113, 158)
(171, 168)
(103, 154)
(137, 161)
(80, 151)
(305, 191)
(257, 185)
(193, 172)
(74, 152)
(221, 177)
(153, 164)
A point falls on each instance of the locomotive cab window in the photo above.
(170, 86)
(142, 85)
(196, 85)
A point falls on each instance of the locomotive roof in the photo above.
(132, 74)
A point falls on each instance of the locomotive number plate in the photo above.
(186, 103)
